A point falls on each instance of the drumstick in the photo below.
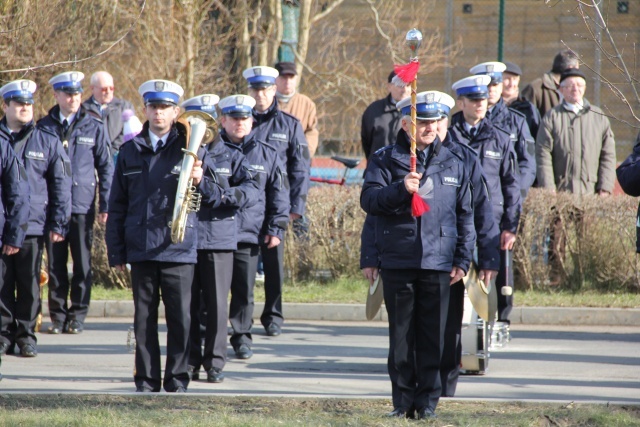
(507, 289)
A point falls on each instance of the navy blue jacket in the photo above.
(629, 178)
(217, 226)
(531, 114)
(142, 199)
(87, 146)
(269, 216)
(515, 123)
(439, 239)
(14, 198)
(487, 231)
(49, 174)
(284, 132)
(498, 164)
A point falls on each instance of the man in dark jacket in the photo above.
(419, 257)
(285, 134)
(138, 232)
(497, 157)
(262, 222)
(48, 171)
(86, 143)
(511, 121)
(381, 119)
(14, 212)
(107, 108)
(512, 97)
(217, 239)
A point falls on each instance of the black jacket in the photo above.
(380, 125)
(629, 178)
(14, 198)
(112, 118)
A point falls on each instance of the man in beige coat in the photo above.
(298, 105)
(575, 149)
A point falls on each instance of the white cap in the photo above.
(160, 92)
(260, 76)
(69, 82)
(237, 106)
(205, 103)
(19, 90)
(473, 87)
(492, 69)
(430, 105)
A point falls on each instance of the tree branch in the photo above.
(326, 11)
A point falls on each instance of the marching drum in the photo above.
(475, 341)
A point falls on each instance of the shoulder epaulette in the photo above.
(381, 151)
(518, 113)
(506, 132)
(44, 129)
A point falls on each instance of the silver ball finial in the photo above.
(413, 40)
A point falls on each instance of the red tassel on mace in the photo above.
(419, 206)
(406, 73)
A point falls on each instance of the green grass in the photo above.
(353, 291)
(110, 410)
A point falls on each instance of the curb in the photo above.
(571, 316)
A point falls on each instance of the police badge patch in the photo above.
(159, 86)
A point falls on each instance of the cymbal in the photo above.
(374, 298)
(483, 296)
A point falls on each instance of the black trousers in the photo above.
(152, 280)
(452, 352)
(417, 303)
(79, 240)
(273, 260)
(212, 281)
(20, 292)
(245, 266)
(505, 302)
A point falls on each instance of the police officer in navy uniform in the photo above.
(87, 145)
(48, 171)
(510, 120)
(217, 239)
(138, 232)
(261, 223)
(419, 257)
(284, 132)
(493, 144)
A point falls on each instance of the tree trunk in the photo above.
(304, 27)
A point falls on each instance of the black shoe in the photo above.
(58, 327)
(194, 373)
(273, 330)
(143, 389)
(180, 389)
(401, 413)
(75, 327)
(215, 375)
(4, 347)
(244, 352)
(28, 350)
(427, 413)
(230, 330)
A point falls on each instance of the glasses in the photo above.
(107, 89)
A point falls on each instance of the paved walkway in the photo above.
(348, 359)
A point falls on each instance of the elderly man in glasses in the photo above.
(106, 107)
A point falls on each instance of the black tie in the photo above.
(159, 145)
(472, 132)
(488, 114)
(65, 127)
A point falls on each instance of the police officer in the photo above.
(285, 134)
(87, 145)
(470, 126)
(261, 223)
(217, 239)
(419, 257)
(14, 218)
(138, 232)
(510, 120)
(48, 171)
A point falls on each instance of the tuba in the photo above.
(203, 130)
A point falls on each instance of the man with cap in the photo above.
(217, 239)
(575, 148)
(469, 126)
(420, 257)
(86, 143)
(48, 172)
(511, 121)
(298, 105)
(106, 107)
(514, 100)
(544, 92)
(262, 222)
(381, 119)
(284, 132)
(488, 236)
(14, 217)
(142, 198)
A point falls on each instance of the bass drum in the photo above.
(475, 341)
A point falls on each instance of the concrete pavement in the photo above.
(348, 359)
